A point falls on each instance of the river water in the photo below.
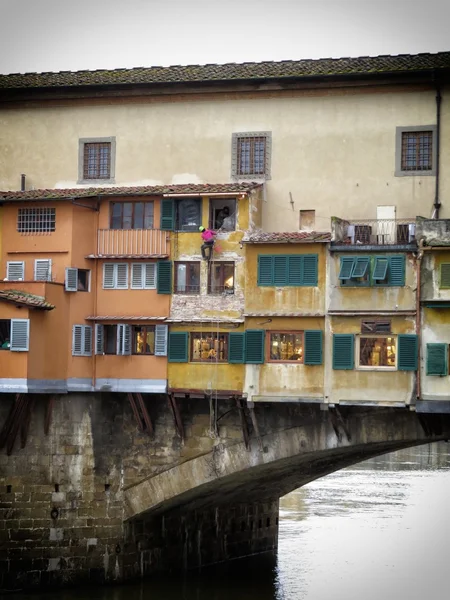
(376, 531)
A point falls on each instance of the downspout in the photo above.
(437, 203)
(94, 337)
(418, 316)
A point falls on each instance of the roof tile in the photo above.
(290, 237)
(25, 299)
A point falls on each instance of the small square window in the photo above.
(83, 277)
(209, 347)
(188, 214)
(307, 220)
(221, 278)
(96, 160)
(415, 151)
(377, 351)
(251, 154)
(222, 214)
(286, 347)
(187, 277)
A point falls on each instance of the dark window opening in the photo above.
(268, 522)
(5, 334)
(417, 149)
(110, 343)
(221, 278)
(251, 155)
(187, 277)
(208, 347)
(188, 214)
(143, 339)
(8, 489)
(132, 215)
(97, 160)
(222, 214)
(83, 280)
(56, 487)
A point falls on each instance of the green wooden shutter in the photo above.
(437, 359)
(343, 351)
(346, 267)
(236, 347)
(295, 270)
(310, 273)
(178, 347)
(360, 267)
(445, 275)
(397, 270)
(313, 347)
(280, 270)
(380, 268)
(164, 280)
(254, 346)
(407, 352)
(167, 219)
(265, 270)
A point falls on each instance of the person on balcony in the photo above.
(208, 242)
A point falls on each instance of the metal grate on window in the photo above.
(417, 149)
(97, 160)
(36, 220)
(251, 155)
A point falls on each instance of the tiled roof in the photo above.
(147, 190)
(290, 237)
(25, 299)
(323, 67)
(120, 256)
(123, 318)
(204, 320)
(269, 313)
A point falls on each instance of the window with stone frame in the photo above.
(415, 150)
(96, 160)
(251, 155)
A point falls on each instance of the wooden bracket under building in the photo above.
(175, 410)
(18, 418)
(140, 412)
(243, 419)
(339, 424)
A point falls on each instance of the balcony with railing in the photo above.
(373, 232)
(132, 243)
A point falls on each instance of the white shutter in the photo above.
(136, 276)
(87, 342)
(71, 279)
(43, 269)
(123, 339)
(150, 276)
(15, 270)
(121, 276)
(119, 347)
(161, 340)
(99, 339)
(108, 276)
(20, 335)
(77, 340)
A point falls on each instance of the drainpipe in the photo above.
(437, 203)
(22, 182)
(418, 315)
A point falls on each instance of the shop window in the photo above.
(132, 215)
(209, 347)
(286, 347)
(187, 277)
(143, 339)
(222, 214)
(377, 351)
(221, 278)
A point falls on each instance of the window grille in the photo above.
(417, 149)
(251, 152)
(36, 220)
(97, 160)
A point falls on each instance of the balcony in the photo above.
(132, 243)
(373, 232)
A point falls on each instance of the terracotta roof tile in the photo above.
(25, 299)
(149, 190)
(323, 67)
(123, 318)
(289, 237)
(120, 256)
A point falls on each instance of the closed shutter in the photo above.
(123, 339)
(164, 281)
(77, 340)
(343, 351)
(87, 341)
(437, 359)
(407, 352)
(397, 270)
(236, 347)
(121, 276)
(167, 214)
(143, 276)
(254, 346)
(15, 270)
(149, 276)
(71, 279)
(161, 332)
(380, 268)
(347, 263)
(313, 347)
(108, 276)
(178, 346)
(137, 281)
(20, 335)
(280, 270)
(265, 270)
(295, 268)
(42, 269)
(99, 339)
(360, 267)
(310, 270)
(445, 275)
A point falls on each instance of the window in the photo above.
(77, 280)
(286, 347)
(15, 270)
(143, 276)
(143, 339)
(444, 280)
(356, 271)
(131, 215)
(115, 276)
(43, 269)
(377, 351)
(437, 359)
(385, 352)
(287, 270)
(251, 155)
(207, 347)
(187, 277)
(110, 339)
(188, 215)
(415, 150)
(83, 280)
(222, 214)
(81, 340)
(221, 278)
(5, 334)
(96, 159)
(36, 220)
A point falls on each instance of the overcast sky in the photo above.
(67, 35)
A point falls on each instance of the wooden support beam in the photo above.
(175, 410)
(9, 421)
(15, 426)
(26, 422)
(255, 426)
(244, 426)
(145, 414)
(135, 411)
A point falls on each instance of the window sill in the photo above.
(380, 369)
(415, 173)
(95, 181)
(208, 361)
(285, 362)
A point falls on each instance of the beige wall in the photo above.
(333, 151)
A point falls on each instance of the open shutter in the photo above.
(360, 266)
(397, 270)
(346, 267)
(108, 276)
(71, 279)
(77, 340)
(42, 269)
(167, 214)
(437, 359)
(121, 276)
(15, 270)
(254, 346)
(137, 281)
(236, 347)
(295, 270)
(313, 347)
(20, 335)
(164, 282)
(99, 339)
(280, 270)
(161, 332)
(407, 352)
(126, 339)
(265, 270)
(149, 276)
(380, 268)
(178, 346)
(310, 270)
(343, 351)
(87, 342)
(445, 275)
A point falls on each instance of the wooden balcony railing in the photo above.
(132, 242)
(378, 232)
